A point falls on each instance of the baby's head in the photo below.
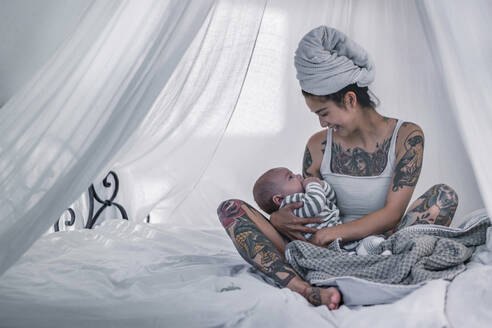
(271, 188)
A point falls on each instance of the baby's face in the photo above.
(290, 183)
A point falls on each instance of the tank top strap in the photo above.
(326, 161)
(392, 150)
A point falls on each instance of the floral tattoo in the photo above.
(251, 242)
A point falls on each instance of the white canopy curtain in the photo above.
(64, 127)
(174, 145)
(272, 124)
(462, 45)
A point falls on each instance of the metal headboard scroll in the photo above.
(93, 196)
(69, 222)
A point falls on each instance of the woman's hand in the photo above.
(323, 237)
(290, 225)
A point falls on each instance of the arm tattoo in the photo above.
(306, 163)
(403, 125)
(407, 170)
(251, 243)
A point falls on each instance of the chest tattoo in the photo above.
(357, 161)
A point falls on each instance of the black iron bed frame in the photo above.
(93, 198)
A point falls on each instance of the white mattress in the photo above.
(124, 274)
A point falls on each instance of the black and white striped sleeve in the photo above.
(329, 192)
(314, 201)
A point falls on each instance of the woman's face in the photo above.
(330, 114)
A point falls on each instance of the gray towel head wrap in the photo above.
(327, 61)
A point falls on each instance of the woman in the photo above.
(372, 162)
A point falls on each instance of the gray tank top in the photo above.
(359, 195)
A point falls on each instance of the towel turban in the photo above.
(327, 61)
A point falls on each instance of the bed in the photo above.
(127, 274)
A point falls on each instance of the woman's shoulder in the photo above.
(409, 135)
(318, 139)
(313, 155)
(409, 127)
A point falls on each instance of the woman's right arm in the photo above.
(313, 155)
(284, 219)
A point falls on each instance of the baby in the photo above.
(279, 186)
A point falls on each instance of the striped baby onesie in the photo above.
(319, 201)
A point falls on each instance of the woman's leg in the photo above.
(263, 247)
(436, 206)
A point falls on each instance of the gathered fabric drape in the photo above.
(62, 129)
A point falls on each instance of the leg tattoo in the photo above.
(437, 206)
(251, 242)
(238, 218)
(314, 297)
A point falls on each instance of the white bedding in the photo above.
(124, 274)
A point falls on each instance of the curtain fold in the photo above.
(167, 155)
(462, 45)
(65, 126)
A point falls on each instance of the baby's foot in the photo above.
(330, 297)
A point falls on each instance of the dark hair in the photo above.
(264, 190)
(363, 96)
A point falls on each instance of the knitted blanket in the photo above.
(418, 253)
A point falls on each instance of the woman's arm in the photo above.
(313, 155)
(284, 219)
(409, 155)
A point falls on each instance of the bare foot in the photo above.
(330, 296)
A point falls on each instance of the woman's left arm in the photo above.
(409, 155)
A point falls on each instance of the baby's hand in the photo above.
(306, 181)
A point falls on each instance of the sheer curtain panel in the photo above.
(462, 47)
(63, 128)
(168, 154)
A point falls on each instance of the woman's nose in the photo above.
(323, 123)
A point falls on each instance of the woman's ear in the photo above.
(278, 199)
(350, 99)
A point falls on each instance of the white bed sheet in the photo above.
(124, 274)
